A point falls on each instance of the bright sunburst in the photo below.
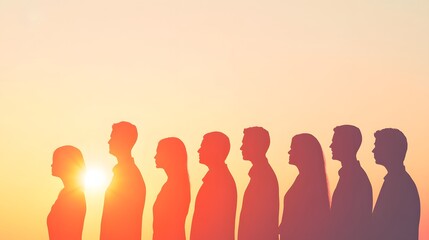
(95, 179)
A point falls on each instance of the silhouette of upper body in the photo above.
(125, 196)
(67, 215)
(260, 209)
(306, 203)
(396, 213)
(216, 202)
(351, 206)
(172, 204)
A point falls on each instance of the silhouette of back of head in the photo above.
(390, 147)
(256, 141)
(68, 164)
(122, 139)
(345, 142)
(214, 149)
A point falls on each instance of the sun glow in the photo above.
(95, 179)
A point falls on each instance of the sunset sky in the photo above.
(70, 69)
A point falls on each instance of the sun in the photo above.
(95, 179)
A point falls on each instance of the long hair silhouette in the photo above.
(67, 215)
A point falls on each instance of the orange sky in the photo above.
(69, 70)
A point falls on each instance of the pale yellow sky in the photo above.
(69, 70)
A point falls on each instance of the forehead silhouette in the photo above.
(173, 148)
(217, 143)
(258, 137)
(126, 132)
(393, 142)
(349, 136)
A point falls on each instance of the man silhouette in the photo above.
(396, 214)
(260, 210)
(125, 197)
(352, 199)
(216, 203)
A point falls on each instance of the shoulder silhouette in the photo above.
(172, 204)
(65, 221)
(260, 209)
(352, 199)
(306, 203)
(216, 202)
(396, 213)
(125, 196)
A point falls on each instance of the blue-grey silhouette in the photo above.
(351, 206)
(65, 221)
(216, 203)
(260, 210)
(396, 213)
(306, 203)
(125, 197)
(172, 204)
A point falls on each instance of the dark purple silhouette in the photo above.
(172, 204)
(216, 203)
(260, 210)
(306, 203)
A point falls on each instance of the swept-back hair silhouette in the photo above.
(172, 204)
(259, 215)
(396, 213)
(125, 197)
(306, 203)
(216, 203)
(65, 221)
(352, 199)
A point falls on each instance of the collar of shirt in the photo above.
(394, 173)
(260, 167)
(123, 165)
(349, 168)
(211, 174)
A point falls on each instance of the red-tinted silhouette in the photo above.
(125, 197)
(260, 210)
(172, 204)
(306, 203)
(65, 221)
(396, 213)
(216, 203)
(352, 199)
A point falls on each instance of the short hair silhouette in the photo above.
(351, 138)
(123, 137)
(216, 147)
(256, 142)
(395, 142)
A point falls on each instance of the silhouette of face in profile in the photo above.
(390, 147)
(122, 139)
(255, 143)
(345, 142)
(170, 154)
(214, 149)
(67, 163)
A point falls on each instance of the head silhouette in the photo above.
(390, 147)
(256, 141)
(68, 164)
(345, 142)
(214, 149)
(122, 139)
(306, 153)
(171, 155)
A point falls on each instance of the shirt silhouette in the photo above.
(352, 199)
(260, 209)
(66, 218)
(306, 203)
(172, 204)
(125, 197)
(396, 213)
(216, 202)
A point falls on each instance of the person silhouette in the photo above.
(260, 209)
(216, 202)
(396, 213)
(67, 215)
(306, 203)
(351, 206)
(172, 204)
(125, 196)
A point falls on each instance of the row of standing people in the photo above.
(307, 212)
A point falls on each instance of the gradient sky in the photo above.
(70, 69)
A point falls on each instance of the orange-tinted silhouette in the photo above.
(396, 213)
(260, 210)
(352, 199)
(125, 197)
(306, 203)
(172, 204)
(65, 221)
(216, 203)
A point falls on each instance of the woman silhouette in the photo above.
(172, 204)
(65, 221)
(306, 203)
